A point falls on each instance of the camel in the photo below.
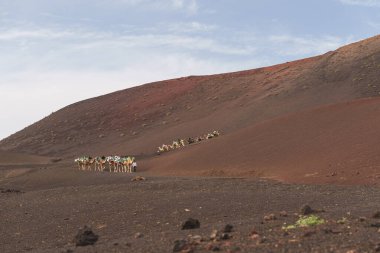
(216, 133)
(113, 162)
(79, 161)
(163, 148)
(175, 145)
(190, 140)
(88, 162)
(160, 150)
(100, 163)
(126, 164)
(84, 162)
(209, 136)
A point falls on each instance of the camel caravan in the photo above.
(128, 164)
(181, 143)
(115, 163)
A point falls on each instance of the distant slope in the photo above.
(137, 120)
(337, 143)
(7, 158)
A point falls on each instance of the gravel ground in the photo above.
(147, 216)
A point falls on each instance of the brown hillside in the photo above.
(335, 144)
(137, 120)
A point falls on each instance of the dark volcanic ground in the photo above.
(57, 201)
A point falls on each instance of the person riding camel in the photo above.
(134, 166)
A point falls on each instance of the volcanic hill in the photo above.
(311, 120)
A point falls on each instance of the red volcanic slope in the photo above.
(135, 121)
(19, 158)
(337, 144)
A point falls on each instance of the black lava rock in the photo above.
(180, 245)
(191, 224)
(228, 228)
(306, 210)
(85, 237)
(376, 215)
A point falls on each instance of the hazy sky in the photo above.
(56, 52)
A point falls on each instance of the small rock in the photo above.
(377, 247)
(362, 219)
(228, 228)
(309, 233)
(306, 210)
(376, 215)
(191, 224)
(139, 235)
(263, 240)
(270, 217)
(214, 234)
(55, 160)
(212, 247)
(225, 236)
(196, 239)
(331, 231)
(180, 245)
(254, 235)
(85, 237)
(375, 225)
(138, 178)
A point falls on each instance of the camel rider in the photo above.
(134, 166)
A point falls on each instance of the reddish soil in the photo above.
(20, 158)
(332, 144)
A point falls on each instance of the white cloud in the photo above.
(293, 45)
(369, 3)
(13, 34)
(191, 27)
(190, 6)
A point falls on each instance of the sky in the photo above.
(57, 52)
